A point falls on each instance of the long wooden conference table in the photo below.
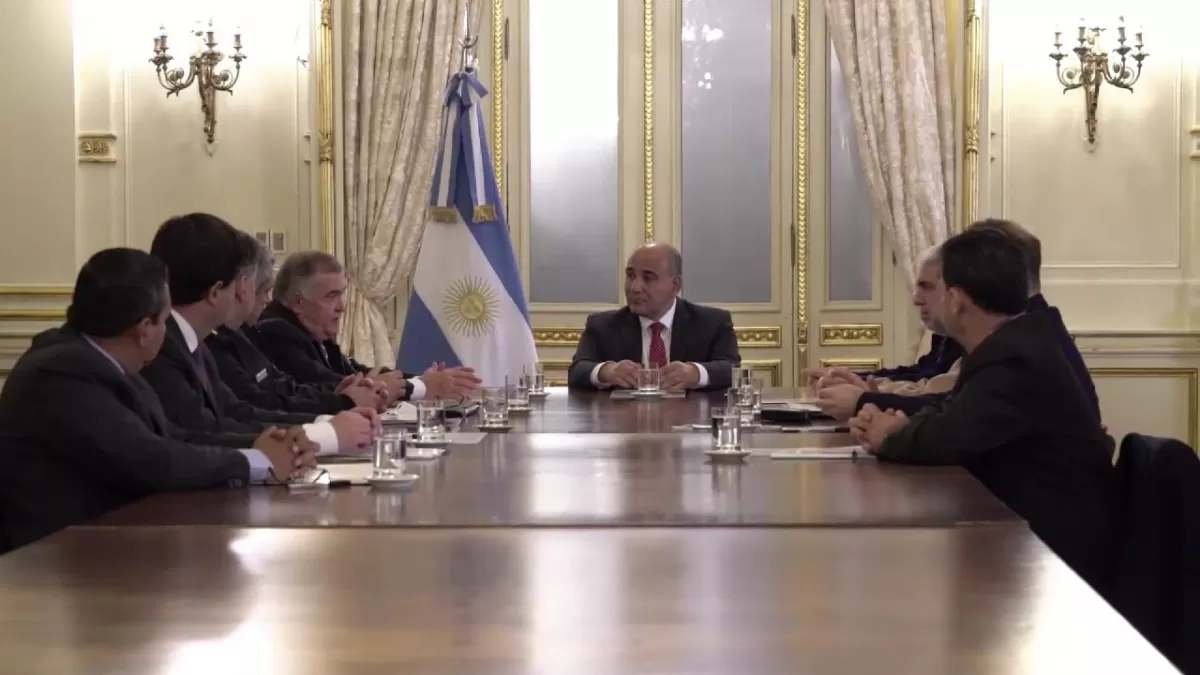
(593, 538)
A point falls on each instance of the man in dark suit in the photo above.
(298, 332)
(694, 346)
(844, 402)
(81, 433)
(251, 375)
(1017, 418)
(209, 267)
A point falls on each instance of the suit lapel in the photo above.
(680, 332)
(191, 362)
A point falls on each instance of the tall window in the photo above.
(851, 225)
(727, 136)
(573, 151)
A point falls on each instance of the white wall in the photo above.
(1118, 223)
(82, 72)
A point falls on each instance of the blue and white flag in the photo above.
(467, 306)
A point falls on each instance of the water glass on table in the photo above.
(648, 381)
(431, 421)
(744, 376)
(727, 428)
(390, 450)
(518, 394)
(750, 400)
(537, 380)
(493, 409)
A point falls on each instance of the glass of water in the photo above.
(743, 377)
(518, 394)
(537, 376)
(750, 400)
(727, 428)
(389, 457)
(647, 381)
(431, 421)
(494, 408)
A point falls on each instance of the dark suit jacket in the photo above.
(214, 409)
(78, 437)
(289, 345)
(255, 380)
(911, 405)
(699, 334)
(943, 352)
(1019, 423)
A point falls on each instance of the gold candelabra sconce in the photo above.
(1120, 67)
(201, 70)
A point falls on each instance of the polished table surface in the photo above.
(606, 480)
(744, 601)
(566, 411)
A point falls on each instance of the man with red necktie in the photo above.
(693, 346)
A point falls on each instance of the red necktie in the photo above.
(658, 351)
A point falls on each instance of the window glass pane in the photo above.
(726, 170)
(851, 225)
(573, 114)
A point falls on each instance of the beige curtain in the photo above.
(398, 57)
(895, 60)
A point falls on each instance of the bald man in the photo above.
(693, 345)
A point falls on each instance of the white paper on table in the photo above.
(841, 452)
(465, 437)
(792, 404)
(403, 413)
(357, 473)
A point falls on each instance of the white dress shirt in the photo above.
(668, 321)
(320, 431)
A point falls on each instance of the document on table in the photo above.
(403, 413)
(841, 452)
(792, 404)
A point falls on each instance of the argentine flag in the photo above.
(467, 306)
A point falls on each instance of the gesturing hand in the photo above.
(619, 374)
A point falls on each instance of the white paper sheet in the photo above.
(403, 413)
(841, 452)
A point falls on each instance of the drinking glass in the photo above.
(750, 400)
(494, 408)
(647, 381)
(727, 428)
(537, 385)
(390, 451)
(743, 377)
(518, 394)
(431, 421)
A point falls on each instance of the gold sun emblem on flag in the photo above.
(470, 306)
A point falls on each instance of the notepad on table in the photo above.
(403, 413)
(842, 452)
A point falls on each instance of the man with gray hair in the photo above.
(252, 376)
(299, 328)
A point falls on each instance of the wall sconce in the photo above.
(202, 69)
(1120, 68)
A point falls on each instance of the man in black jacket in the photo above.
(252, 376)
(209, 266)
(81, 433)
(298, 332)
(1017, 418)
(694, 346)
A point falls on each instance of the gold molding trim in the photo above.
(33, 314)
(325, 127)
(800, 217)
(648, 119)
(772, 366)
(39, 291)
(556, 364)
(759, 337)
(498, 55)
(96, 148)
(556, 337)
(972, 110)
(753, 337)
(856, 365)
(1192, 375)
(853, 334)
